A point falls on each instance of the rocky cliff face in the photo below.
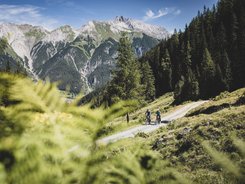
(80, 59)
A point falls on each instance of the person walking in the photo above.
(148, 116)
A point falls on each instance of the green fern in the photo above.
(240, 144)
(225, 162)
(49, 140)
(45, 140)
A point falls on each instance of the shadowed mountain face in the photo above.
(81, 59)
(9, 60)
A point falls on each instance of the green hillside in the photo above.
(39, 130)
(9, 60)
(190, 144)
(204, 59)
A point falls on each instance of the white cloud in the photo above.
(177, 12)
(26, 14)
(150, 15)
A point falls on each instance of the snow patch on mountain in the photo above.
(151, 30)
(84, 72)
(55, 36)
(107, 50)
(129, 25)
(72, 59)
(88, 28)
(122, 24)
(118, 27)
(62, 34)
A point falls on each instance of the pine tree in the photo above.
(126, 78)
(3, 44)
(191, 83)
(148, 81)
(193, 87)
(208, 74)
(166, 71)
(210, 38)
(221, 39)
(178, 90)
(8, 68)
(158, 73)
(187, 58)
(203, 37)
(219, 81)
(188, 86)
(226, 70)
(174, 53)
(207, 65)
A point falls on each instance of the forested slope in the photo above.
(200, 62)
(207, 58)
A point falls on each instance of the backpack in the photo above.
(148, 113)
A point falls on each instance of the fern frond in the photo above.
(54, 142)
(240, 144)
(42, 97)
(222, 160)
(123, 168)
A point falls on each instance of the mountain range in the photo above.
(80, 59)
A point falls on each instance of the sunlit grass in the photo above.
(181, 143)
(164, 103)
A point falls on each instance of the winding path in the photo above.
(149, 128)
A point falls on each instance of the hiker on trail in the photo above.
(148, 116)
(158, 116)
(127, 117)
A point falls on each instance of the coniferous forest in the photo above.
(205, 59)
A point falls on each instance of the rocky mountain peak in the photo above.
(81, 58)
(121, 19)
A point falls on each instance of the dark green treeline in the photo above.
(207, 58)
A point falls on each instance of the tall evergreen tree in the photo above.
(179, 89)
(3, 44)
(226, 70)
(166, 71)
(174, 54)
(193, 88)
(187, 58)
(219, 81)
(8, 68)
(188, 86)
(208, 74)
(148, 81)
(125, 83)
(207, 65)
(191, 83)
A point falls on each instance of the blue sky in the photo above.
(53, 13)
